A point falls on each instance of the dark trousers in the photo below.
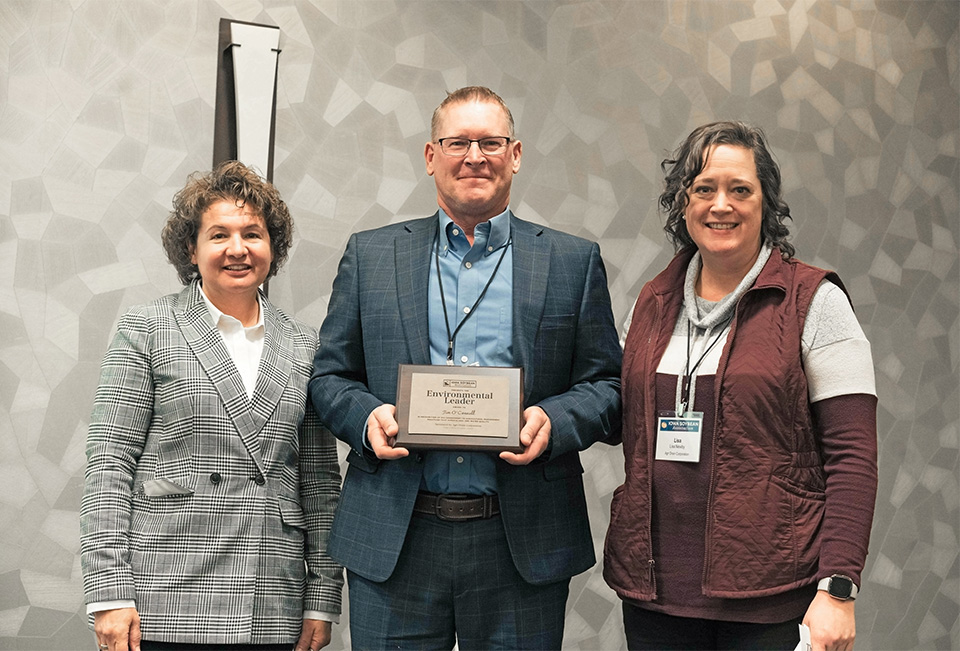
(455, 582)
(652, 631)
(147, 645)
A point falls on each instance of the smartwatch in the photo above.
(839, 587)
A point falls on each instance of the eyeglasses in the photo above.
(492, 146)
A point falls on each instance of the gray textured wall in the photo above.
(107, 105)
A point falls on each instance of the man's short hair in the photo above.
(470, 94)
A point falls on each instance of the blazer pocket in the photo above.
(553, 321)
(291, 513)
(361, 462)
(161, 487)
(563, 468)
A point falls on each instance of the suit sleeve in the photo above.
(589, 410)
(319, 494)
(338, 386)
(122, 412)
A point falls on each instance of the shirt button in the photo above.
(489, 249)
(468, 265)
(459, 459)
(466, 310)
(464, 359)
(456, 232)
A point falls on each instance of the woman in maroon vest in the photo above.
(749, 428)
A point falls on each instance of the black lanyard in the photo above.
(452, 337)
(685, 387)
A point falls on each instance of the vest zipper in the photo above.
(718, 380)
(651, 562)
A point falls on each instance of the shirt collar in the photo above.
(225, 321)
(493, 234)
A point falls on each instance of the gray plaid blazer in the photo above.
(563, 336)
(210, 510)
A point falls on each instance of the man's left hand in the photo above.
(831, 623)
(534, 437)
(314, 635)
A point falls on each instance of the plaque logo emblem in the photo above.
(459, 384)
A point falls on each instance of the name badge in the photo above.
(678, 436)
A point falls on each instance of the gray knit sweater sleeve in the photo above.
(836, 353)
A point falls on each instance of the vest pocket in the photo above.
(804, 476)
(795, 485)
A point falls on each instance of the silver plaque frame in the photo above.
(477, 408)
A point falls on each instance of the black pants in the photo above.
(652, 631)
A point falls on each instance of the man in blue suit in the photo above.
(467, 547)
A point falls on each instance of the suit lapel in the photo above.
(205, 341)
(276, 366)
(531, 269)
(413, 251)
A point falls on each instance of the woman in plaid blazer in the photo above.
(210, 483)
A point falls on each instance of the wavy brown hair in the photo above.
(229, 181)
(687, 162)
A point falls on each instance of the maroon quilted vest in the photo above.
(767, 489)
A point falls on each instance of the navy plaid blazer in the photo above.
(564, 338)
(209, 509)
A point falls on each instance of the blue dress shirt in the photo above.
(484, 340)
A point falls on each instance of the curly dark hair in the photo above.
(229, 181)
(687, 162)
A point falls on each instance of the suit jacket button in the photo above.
(215, 477)
(259, 480)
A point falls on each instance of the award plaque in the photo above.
(475, 408)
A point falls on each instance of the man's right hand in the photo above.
(382, 431)
(118, 629)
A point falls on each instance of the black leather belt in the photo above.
(457, 507)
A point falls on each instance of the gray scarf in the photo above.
(708, 320)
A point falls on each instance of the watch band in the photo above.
(839, 587)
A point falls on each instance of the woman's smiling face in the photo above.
(232, 251)
(724, 213)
